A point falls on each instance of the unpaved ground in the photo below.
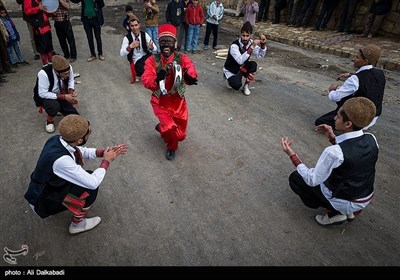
(225, 199)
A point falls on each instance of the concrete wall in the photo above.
(390, 25)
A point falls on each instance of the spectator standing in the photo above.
(175, 15)
(151, 14)
(264, 10)
(64, 31)
(194, 17)
(92, 19)
(13, 39)
(38, 18)
(377, 12)
(325, 14)
(215, 12)
(307, 11)
(293, 6)
(347, 15)
(250, 10)
(30, 29)
(128, 14)
(184, 27)
(279, 6)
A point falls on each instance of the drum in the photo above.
(51, 5)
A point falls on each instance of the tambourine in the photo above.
(178, 76)
(51, 5)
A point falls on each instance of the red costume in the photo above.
(170, 108)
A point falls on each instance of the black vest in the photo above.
(372, 86)
(144, 44)
(230, 64)
(43, 180)
(354, 179)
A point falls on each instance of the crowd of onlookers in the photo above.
(301, 12)
(186, 15)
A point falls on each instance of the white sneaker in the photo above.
(137, 79)
(227, 85)
(88, 224)
(50, 127)
(246, 89)
(324, 220)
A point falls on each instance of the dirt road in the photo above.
(225, 199)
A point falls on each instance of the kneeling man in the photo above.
(137, 46)
(238, 64)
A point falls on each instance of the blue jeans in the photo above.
(14, 47)
(153, 32)
(193, 37)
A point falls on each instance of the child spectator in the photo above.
(250, 10)
(151, 13)
(13, 39)
(194, 17)
(129, 13)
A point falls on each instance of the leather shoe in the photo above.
(324, 220)
(158, 127)
(170, 154)
(90, 223)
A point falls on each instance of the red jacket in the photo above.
(31, 7)
(194, 15)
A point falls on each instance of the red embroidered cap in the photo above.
(167, 29)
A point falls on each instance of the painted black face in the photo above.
(167, 45)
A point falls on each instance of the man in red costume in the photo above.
(167, 74)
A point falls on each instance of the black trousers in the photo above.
(346, 18)
(44, 42)
(236, 81)
(264, 10)
(139, 65)
(50, 201)
(53, 106)
(214, 28)
(65, 36)
(328, 118)
(91, 25)
(312, 197)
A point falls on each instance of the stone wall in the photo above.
(390, 25)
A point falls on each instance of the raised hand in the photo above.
(286, 146)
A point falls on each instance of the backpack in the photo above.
(49, 71)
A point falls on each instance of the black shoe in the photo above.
(36, 57)
(158, 127)
(170, 154)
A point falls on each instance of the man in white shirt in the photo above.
(237, 64)
(59, 181)
(215, 12)
(137, 46)
(342, 181)
(367, 81)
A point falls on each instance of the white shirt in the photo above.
(332, 157)
(349, 87)
(138, 52)
(217, 10)
(44, 83)
(241, 58)
(66, 168)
